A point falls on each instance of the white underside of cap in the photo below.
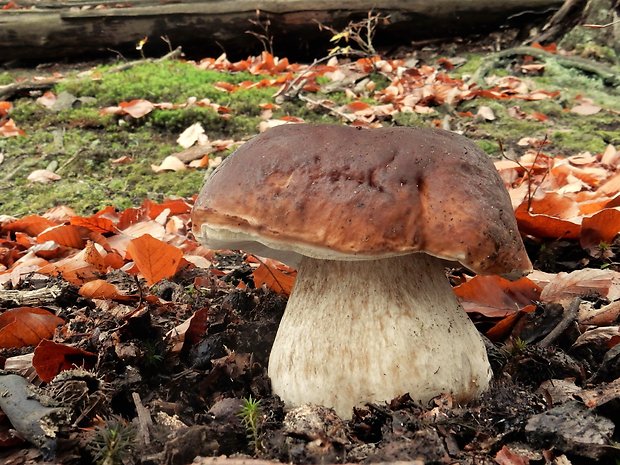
(290, 253)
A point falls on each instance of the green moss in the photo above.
(170, 81)
(470, 66)
(5, 78)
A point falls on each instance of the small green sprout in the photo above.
(250, 417)
(113, 443)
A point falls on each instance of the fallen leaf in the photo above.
(586, 109)
(155, 259)
(494, 296)
(193, 134)
(486, 113)
(564, 287)
(507, 457)
(101, 289)
(602, 227)
(274, 275)
(43, 176)
(137, 108)
(170, 163)
(26, 326)
(10, 129)
(51, 358)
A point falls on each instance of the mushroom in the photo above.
(368, 217)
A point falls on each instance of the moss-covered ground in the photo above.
(80, 143)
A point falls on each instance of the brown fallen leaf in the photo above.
(51, 358)
(273, 274)
(26, 326)
(101, 289)
(494, 296)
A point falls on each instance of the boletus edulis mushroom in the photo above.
(368, 217)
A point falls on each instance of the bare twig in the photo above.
(144, 419)
(570, 316)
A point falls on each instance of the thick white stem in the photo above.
(368, 331)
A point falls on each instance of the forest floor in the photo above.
(136, 362)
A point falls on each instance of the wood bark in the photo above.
(52, 29)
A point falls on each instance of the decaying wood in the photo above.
(53, 29)
(46, 296)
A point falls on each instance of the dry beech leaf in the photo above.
(545, 226)
(137, 108)
(564, 287)
(32, 225)
(507, 457)
(604, 316)
(155, 259)
(10, 129)
(586, 109)
(43, 176)
(193, 134)
(79, 268)
(66, 235)
(94, 223)
(486, 113)
(170, 163)
(273, 274)
(603, 226)
(174, 207)
(51, 358)
(494, 296)
(101, 289)
(502, 329)
(26, 326)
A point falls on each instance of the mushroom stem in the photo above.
(369, 331)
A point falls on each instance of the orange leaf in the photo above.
(26, 326)
(32, 225)
(494, 296)
(155, 259)
(503, 327)
(10, 129)
(275, 275)
(51, 358)
(94, 223)
(101, 289)
(176, 207)
(66, 235)
(604, 226)
(548, 217)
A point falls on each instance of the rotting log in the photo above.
(48, 30)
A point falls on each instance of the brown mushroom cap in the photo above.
(337, 191)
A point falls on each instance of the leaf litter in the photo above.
(155, 316)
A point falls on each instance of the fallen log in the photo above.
(42, 30)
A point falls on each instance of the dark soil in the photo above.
(535, 409)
